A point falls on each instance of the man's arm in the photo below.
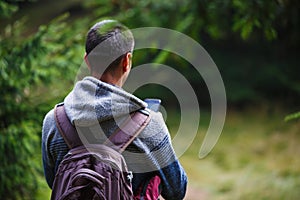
(174, 181)
(54, 148)
(48, 162)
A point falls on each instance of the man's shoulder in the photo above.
(49, 117)
(49, 123)
(156, 128)
(157, 119)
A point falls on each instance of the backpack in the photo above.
(96, 171)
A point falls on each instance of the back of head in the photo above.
(106, 43)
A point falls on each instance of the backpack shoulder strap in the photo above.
(129, 130)
(66, 129)
(119, 140)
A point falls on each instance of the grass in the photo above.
(256, 157)
(44, 191)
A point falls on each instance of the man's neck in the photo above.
(109, 78)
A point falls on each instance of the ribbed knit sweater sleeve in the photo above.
(54, 148)
(174, 181)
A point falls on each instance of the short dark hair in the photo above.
(106, 44)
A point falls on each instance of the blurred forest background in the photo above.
(255, 45)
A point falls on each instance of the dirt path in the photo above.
(194, 193)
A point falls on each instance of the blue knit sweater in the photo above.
(98, 105)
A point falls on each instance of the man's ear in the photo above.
(87, 61)
(126, 62)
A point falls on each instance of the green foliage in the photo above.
(18, 145)
(216, 18)
(18, 140)
(254, 14)
(26, 64)
(292, 116)
(18, 123)
(6, 9)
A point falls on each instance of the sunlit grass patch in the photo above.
(256, 157)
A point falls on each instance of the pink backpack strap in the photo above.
(66, 128)
(119, 140)
(129, 130)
